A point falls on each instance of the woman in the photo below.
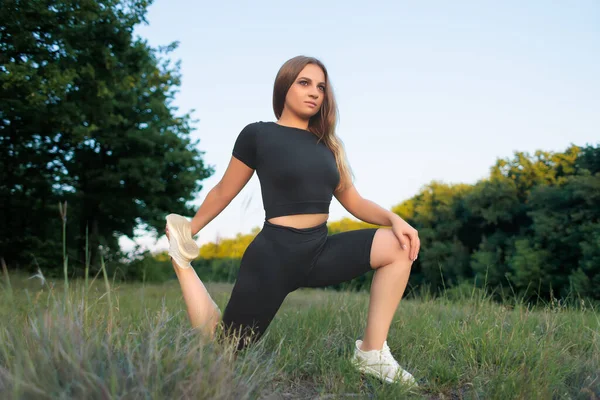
(301, 165)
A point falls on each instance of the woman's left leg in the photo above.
(392, 268)
(350, 254)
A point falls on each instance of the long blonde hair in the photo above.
(323, 123)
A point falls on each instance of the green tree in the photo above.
(533, 225)
(87, 117)
(443, 259)
(566, 223)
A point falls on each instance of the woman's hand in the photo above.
(167, 231)
(401, 228)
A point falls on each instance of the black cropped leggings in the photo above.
(282, 259)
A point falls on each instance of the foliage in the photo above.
(86, 117)
(531, 229)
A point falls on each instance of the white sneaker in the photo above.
(182, 246)
(381, 364)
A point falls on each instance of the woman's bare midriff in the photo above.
(300, 221)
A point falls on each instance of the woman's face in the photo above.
(309, 86)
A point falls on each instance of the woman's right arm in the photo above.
(235, 178)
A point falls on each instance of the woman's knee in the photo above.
(386, 249)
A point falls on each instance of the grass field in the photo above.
(133, 341)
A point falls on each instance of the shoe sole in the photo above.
(174, 253)
(188, 248)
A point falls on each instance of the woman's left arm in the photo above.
(372, 213)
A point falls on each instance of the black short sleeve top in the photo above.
(297, 173)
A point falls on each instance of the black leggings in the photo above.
(282, 259)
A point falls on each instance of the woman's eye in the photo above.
(320, 87)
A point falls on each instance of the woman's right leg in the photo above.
(203, 312)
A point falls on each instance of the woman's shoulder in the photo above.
(257, 126)
(251, 128)
(260, 123)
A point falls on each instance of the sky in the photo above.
(426, 91)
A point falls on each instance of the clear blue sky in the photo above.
(426, 91)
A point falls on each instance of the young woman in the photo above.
(301, 165)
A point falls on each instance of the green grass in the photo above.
(134, 341)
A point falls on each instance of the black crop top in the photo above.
(297, 175)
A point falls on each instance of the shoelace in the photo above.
(387, 355)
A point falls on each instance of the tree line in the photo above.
(532, 228)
